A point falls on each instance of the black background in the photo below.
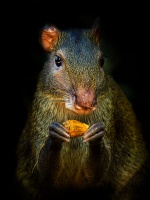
(124, 27)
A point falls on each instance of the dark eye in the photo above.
(58, 61)
(102, 61)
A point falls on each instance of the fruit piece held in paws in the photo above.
(75, 128)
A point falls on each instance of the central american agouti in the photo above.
(109, 160)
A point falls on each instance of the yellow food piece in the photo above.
(75, 128)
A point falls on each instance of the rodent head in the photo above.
(74, 69)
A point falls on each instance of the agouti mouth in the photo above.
(73, 105)
(81, 111)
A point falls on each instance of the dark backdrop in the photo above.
(124, 32)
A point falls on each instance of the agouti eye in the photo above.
(58, 61)
(102, 61)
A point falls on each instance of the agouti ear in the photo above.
(49, 37)
(95, 31)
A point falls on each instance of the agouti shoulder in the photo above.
(110, 158)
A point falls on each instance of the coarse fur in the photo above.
(49, 167)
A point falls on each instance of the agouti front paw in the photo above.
(58, 132)
(94, 133)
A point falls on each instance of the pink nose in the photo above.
(85, 99)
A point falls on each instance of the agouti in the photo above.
(109, 160)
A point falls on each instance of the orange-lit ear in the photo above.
(49, 37)
(95, 32)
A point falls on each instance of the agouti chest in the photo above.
(72, 163)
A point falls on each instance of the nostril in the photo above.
(94, 103)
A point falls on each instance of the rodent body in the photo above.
(73, 85)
